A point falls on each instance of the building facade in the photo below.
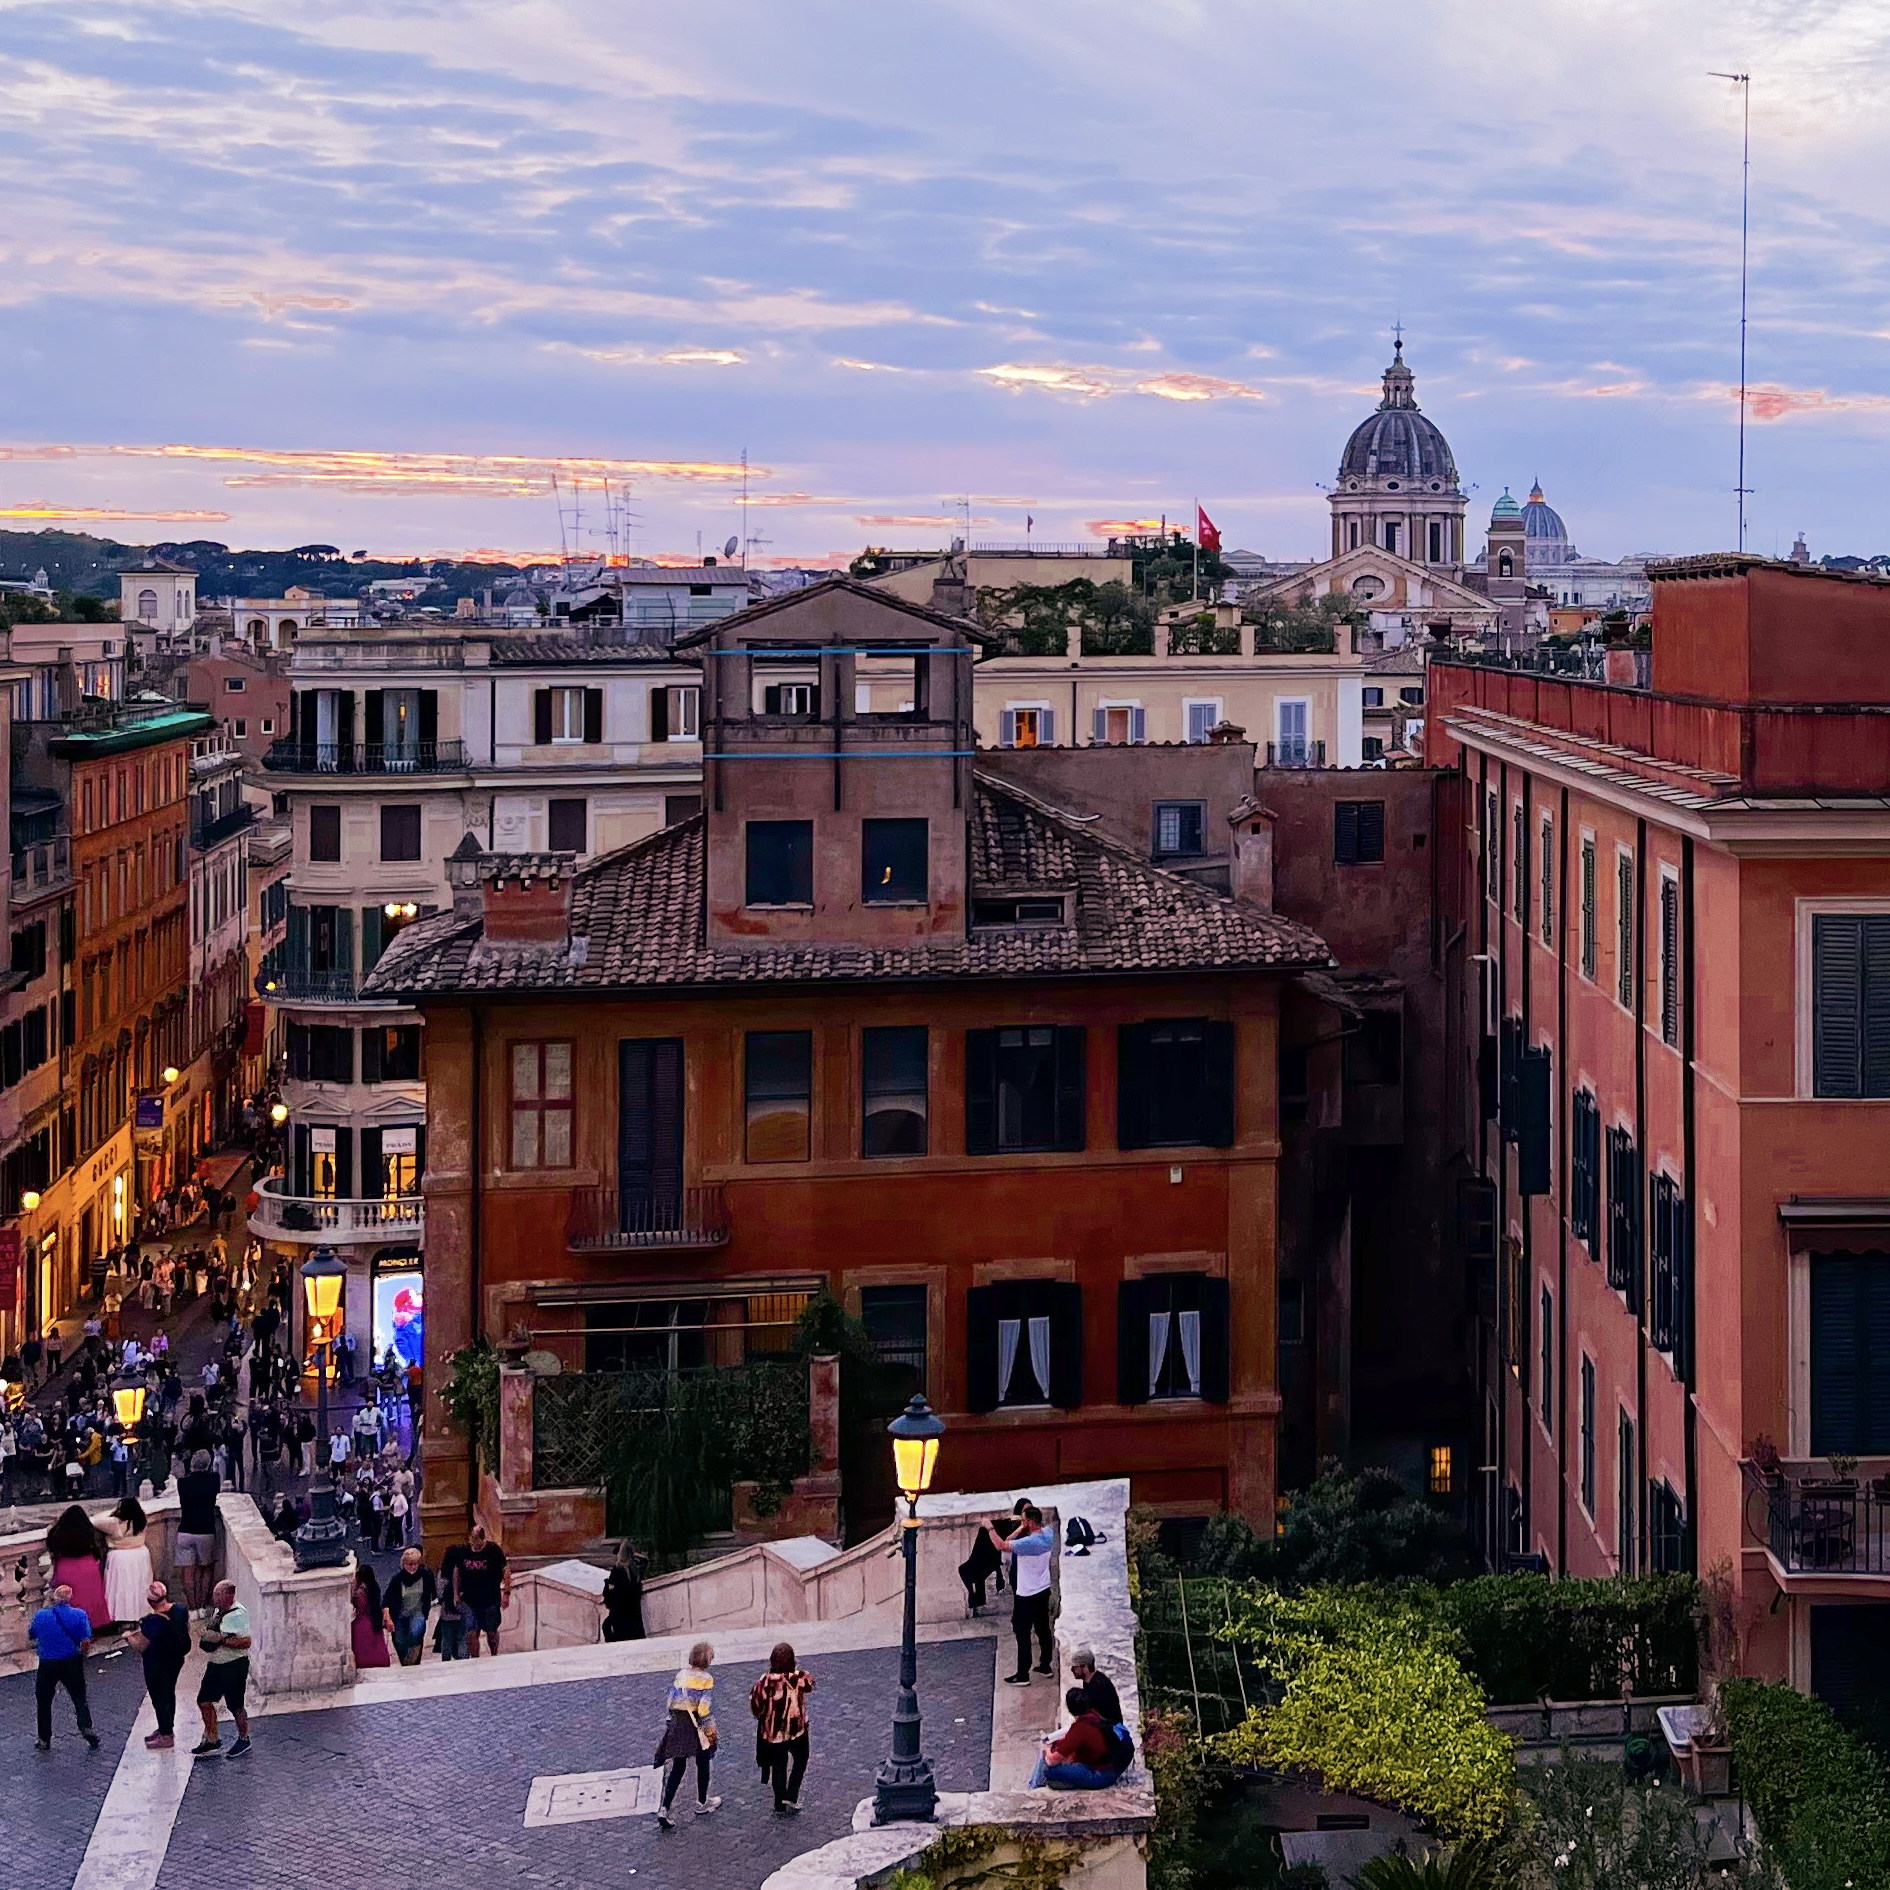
(1554, 566)
(877, 1022)
(1674, 963)
(209, 1095)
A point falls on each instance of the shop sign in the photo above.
(9, 1269)
(399, 1142)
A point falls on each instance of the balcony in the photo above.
(205, 834)
(442, 652)
(291, 756)
(39, 868)
(1822, 1526)
(297, 984)
(283, 1216)
(606, 1220)
(1297, 752)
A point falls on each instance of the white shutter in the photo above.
(1100, 731)
(1138, 725)
(1007, 729)
(1046, 728)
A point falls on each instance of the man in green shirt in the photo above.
(226, 1673)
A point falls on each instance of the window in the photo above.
(1171, 1338)
(1519, 862)
(1545, 1364)
(1588, 1435)
(675, 713)
(241, 728)
(778, 1095)
(1850, 1004)
(1626, 1476)
(780, 863)
(893, 862)
(390, 1053)
(1202, 718)
(1372, 696)
(1850, 1354)
(893, 1086)
(234, 684)
(1624, 928)
(1545, 887)
(1668, 1281)
(1175, 1084)
(569, 826)
(790, 698)
(1391, 534)
(1024, 1089)
(1118, 723)
(1669, 960)
(324, 833)
(1034, 726)
(1372, 748)
(1437, 542)
(541, 1105)
(269, 725)
(895, 1322)
(1584, 1191)
(1358, 832)
(1292, 1312)
(1024, 1344)
(29, 950)
(1412, 696)
(1047, 910)
(1440, 1478)
(400, 831)
(1374, 1052)
(678, 807)
(147, 606)
(1624, 1216)
(392, 1162)
(1179, 827)
(1492, 852)
(1294, 747)
(1666, 1530)
(1588, 907)
(563, 717)
(321, 1053)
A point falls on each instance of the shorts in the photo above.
(224, 1680)
(481, 1619)
(194, 1551)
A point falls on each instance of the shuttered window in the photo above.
(1624, 928)
(649, 1132)
(1175, 1084)
(1850, 1004)
(1669, 1268)
(1624, 1216)
(1670, 961)
(1588, 909)
(1172, 1338)
(1535, 1145)
(1545, 891)
(1626, 1476)
(1024, 1345)
(1587, 1414)
(1850, 1354)
(1358, 832)
(1024, 1089)
(1584, 1191)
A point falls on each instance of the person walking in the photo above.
(1031, 1551)
(60, 1634)
(194, 1552)
(368, 1632)
(779, 1704)
(689, 1733)
(162, 1639)
(411, 1593)
(479, 1584)
(226, 1672)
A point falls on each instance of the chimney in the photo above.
(526, 898)
(1251, 880)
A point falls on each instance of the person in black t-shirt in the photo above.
(162, 1639)
(478, 1581)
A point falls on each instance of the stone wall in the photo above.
(299, 1620)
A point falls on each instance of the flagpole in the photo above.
(1196, 598)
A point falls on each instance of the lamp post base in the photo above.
(904, 1792)
(322, 1541)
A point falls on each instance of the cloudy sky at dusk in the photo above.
(365, 273)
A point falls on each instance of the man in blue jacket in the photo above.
(61, 1633)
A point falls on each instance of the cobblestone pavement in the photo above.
(433, 1793)
(50, 1801)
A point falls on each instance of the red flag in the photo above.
(1206, 533)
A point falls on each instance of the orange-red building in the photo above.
(1675, 911)
(877, 1021)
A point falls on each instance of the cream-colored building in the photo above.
(158, 596)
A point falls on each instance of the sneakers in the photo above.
(665, 1821)
(1043, 1670)
(90, 1738)
(159, 1742)
(1017, 1679)
(241, 1747)
(788, 1808)
(209, 1749)
(708, 1805)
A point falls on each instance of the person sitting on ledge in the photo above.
(1085, 1756)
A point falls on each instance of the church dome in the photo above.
(1543, 528)
(1397, 444)
(1505, 509)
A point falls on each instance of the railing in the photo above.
(608, 1218)
(210, 833)
(293, 756)
(1828, 1526)
(297, 983)
(1296, 754)
(279, 1213)
(1586, 661)
(46, 864)
(445, 653)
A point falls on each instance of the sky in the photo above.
(376, 273)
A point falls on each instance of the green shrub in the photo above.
(1348, 1527)
(1817, 1791)
(1469, 1867)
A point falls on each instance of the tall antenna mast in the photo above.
(746, 541)
(1744, 81)
(564, 544)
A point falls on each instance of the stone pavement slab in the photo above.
(435, 1792)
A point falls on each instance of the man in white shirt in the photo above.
(1030, 1550)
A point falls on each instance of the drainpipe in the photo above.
(1567, 1118)
(1519, 869)
(475, 1293)
(1640, 1206)
(1689, 1370)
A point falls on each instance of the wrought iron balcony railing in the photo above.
(295, 756)
(608, 1218)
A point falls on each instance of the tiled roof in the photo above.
(787, 603)
(637, 920)
(546, 652)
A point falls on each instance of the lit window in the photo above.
(1441, 1468)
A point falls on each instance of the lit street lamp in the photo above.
(321, 1542)
(128, 1405)
(904, 1790)
(278, 1113)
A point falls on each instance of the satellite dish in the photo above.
(728, 550)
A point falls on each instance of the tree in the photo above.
(1308, 626)
(1366, 1527)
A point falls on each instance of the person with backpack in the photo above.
(162, 1639)
(1086, 1755)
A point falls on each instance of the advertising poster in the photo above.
(399, 1316)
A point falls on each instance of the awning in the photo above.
(1836, 1223)
(221, 1170)
(741, 1286)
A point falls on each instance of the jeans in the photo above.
(1072, 1777)
(452, 1634)
(1031, 1613)
(161, 1684)
(410, 1634)
(52, 1675)
(787, 1766)
(674, 1777)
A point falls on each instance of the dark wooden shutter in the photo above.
(429, 717)
(298, 1052)
(344, 1164)
(295, 714)
(1371, 831)
(344, 938)
(1216, 1341)
(344, 729)
(1850, 1354)
(981, 1103)
(981, 1349)
(1131, 1086)
(1218, 1084)
(1345, 833)
(593, 715)
(1066, 1344)
(375, 701)
(649, 1127)
(299, 1176)
(659, 714)
(1072, 1088)
(1876, 1006)
(1838, 1003)
(1535, 1086)
(371, 1045)
(541, 716)
(1669, 961)
(1132, 1386)
(370, 937)
(373, 1164)
(297, 918)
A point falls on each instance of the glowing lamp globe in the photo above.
(128, 1401)
(278, 1113)
(30, 1199)
(915, 1435)
(322, 1275)
(170, 1072)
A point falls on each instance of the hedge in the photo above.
(1818, 1792)
(1526, 1638)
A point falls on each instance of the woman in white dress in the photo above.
(127, 1562)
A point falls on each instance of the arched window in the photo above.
(147, 606)
(1505, 565)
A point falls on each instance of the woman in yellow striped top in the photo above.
(689, 1733)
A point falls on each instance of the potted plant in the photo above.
(1841, 1482)
(1763, 1455)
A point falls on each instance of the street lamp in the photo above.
(128, 1405)
(30, 1199)
(904, 1790)
(278, 1113)
(170, 1073)
(321, 1542)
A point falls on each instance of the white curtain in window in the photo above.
(1190, 1324)
(1158, 1324)
(1008, 1331)
(1040, 1355)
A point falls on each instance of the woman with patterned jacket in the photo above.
(689, 1733)
(779, 1704)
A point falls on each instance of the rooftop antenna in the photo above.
(564, 545)
(746, 541)
(1744, 81)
